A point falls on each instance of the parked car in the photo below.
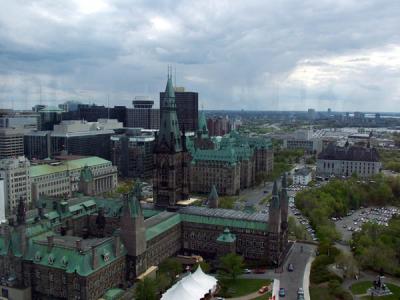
(290, 267)
(263, 289)
(282, 292)
(247, 271)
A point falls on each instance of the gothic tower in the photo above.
(171, 158)
(133, 234)
(284, 201)
(274, 227)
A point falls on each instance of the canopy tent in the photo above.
(192, 287)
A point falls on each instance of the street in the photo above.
(291, 281)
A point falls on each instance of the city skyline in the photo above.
(291, 55)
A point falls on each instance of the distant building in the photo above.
(218, 126)
(50, 116)
(26, 120)
(311, 114)
(11, 142)
(132, 153)
(302, 176)
(187, 108)
(63, 178)
(143, 115)
(15, 173)
(73, 137)
(92, 113)
(348, 160)
(230, 163)
(303, 139)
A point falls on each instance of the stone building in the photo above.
(16, 175)
(63, 178)
(348, 160)
(171, 157)
(82, 247)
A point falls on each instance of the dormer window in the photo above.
(38, 256)
(64, 261)
(51, 259)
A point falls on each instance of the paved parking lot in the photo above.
(355, 219)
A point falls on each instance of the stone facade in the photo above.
(348, 160)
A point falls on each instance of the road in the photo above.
(291, 281)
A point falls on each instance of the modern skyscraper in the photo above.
(171, 158)
(143, 115)
(187, 108)
(11, 142)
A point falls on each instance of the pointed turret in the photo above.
(213, 200)
(284, 202)
(203, 129)
(169, 137)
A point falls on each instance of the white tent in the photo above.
(192, 287)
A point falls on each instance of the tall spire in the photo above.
(275, 196)
(169, 135)
(203, 130)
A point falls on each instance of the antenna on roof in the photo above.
(175, 76)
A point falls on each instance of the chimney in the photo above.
(50, 242)
(117, 245)
(78, 244)
(95, 259)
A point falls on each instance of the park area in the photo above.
(360, 288)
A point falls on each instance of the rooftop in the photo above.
(47, 169)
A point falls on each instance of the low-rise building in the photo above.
(303, 139)
(348, 160)
(91, 175)
(302, 176)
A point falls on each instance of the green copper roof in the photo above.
(227, 237)
(69, 258)
(46, 169)
(169, 134)
(224, 222)
(51, 109)
(113, 294)
(227, 155)
(203, 125)
(163, 226)
(86, 174)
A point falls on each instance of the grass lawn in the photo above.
(320, 293)
(360, 287)
(263, 297)
(242, 286)
(395, 289)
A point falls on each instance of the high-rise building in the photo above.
(171, 158)
(50, 116)
(187, 108)
(16, 175)
(11, 142)
(218, 126)
(132, 153)
(143, 115)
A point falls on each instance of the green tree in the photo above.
(231, 265)
(146, 289)
(171, 267)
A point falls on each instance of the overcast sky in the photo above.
(253, 55)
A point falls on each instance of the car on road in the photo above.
(300, 291)
(282, 292)
(290, 268)
(263, 289)
(247, 271)
(265, 191)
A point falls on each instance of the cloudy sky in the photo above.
(254, 55)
